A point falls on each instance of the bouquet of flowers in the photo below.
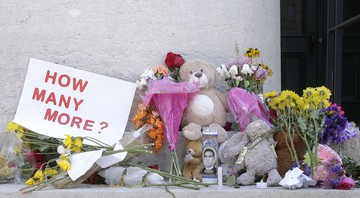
(246, 72)
(301, 116)
(312, 118)
(170, 98)
(330, 173)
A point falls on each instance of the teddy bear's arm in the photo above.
(231, 148)
(223, 100)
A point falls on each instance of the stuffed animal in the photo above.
(192, 161)
(207, 108)
(250, 150)
(284, 159)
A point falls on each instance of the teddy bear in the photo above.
(253, 150)
(284, 159)
(208, 108)
(192, 161)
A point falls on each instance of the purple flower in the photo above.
(337, 129)
(336, 168)
(240, 62)
(303, 166)
(261, 73)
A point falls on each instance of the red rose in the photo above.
(273, 115)
(35, 157)
(346, 183)
(173, 60)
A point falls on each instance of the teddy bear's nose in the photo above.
(198, 75)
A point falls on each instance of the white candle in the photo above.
(220, 176)
(261, 185)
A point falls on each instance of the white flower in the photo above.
(254, 67)
(222, 70)
(63, 151)
(148, 74)
(247, 70)
(239, 78)
(233, 71)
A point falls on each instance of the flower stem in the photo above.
(168, 175)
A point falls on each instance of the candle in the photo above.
(261, 185)
(220, 177)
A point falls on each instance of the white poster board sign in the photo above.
(58, 100)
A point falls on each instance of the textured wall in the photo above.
(122, 38)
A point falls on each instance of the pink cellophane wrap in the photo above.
(170, 99)
(246, 107)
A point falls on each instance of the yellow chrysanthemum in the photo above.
(278, 103)
(30, 182)
(38, 174)
(78, 142)
(326, 103)
(308, 92)
(287, 96)
(64, 165)
(270, 94)
(324, 92)
(50, 172)
(68, 141)
(11, 126)
(75, 149)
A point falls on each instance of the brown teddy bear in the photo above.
(284, 160)
(192, 161)
(207, 108)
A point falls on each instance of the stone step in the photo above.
(85, 191)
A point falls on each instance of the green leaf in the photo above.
(43, 147)
(246, 83)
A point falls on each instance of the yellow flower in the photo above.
(256, 52)
(11, 126)
(30, 182)
(308, 92)
(324, 92)
(75, 149)
(78, 142)
(270, 94)
(38, 174)
(249, 53)
(326, 103)
(68, 141)
(64, 165)
(50, 172)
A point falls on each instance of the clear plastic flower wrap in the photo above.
(11, 157)
(133, 176)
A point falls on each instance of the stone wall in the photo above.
(122, 38)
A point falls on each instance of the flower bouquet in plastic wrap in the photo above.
(170, 99)
(246, 107)
(11, 157)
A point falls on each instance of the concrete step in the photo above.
(12, 191)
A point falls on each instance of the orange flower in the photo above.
(152, 133)
(151, 116)
(161, 69)
(158, 144)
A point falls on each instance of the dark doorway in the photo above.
(320, 45)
